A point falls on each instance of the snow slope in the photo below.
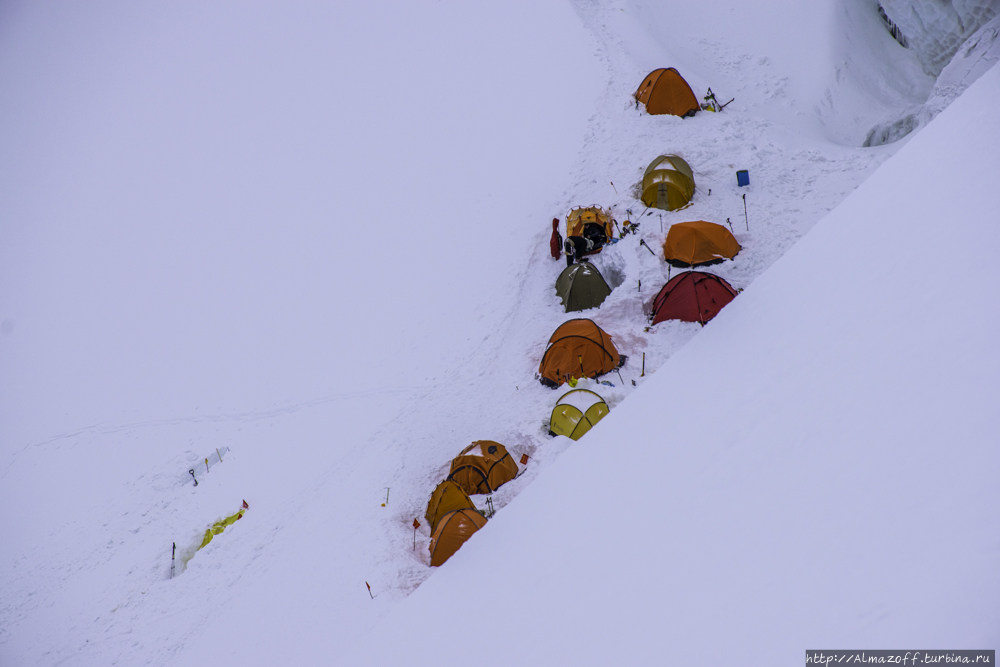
(222, 230)
(815, 470)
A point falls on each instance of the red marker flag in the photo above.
(524, 459)
(245, 506)
(416, 524)
(369, 590)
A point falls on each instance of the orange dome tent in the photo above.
(692, 296)
(482, 467)
(578, 348)
(699, 243)
(453, 530)
(664, 91)
(447, 497)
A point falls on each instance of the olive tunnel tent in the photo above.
(692, 296)
(667, 183)
(447, 497)
(581, 286)
(578, 348)
(453, 529)
(699, 243)
(576, 412)
(664, 91)
(482, 467)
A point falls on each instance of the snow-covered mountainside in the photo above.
(318, 236)
(935, 29)
(816, 469)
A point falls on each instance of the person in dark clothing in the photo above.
(593, 239)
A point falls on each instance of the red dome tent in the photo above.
(692, 296)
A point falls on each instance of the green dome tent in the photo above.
(576, 413)
(581, 286)
(668, 183)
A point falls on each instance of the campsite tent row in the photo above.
(580, 348)
(481, 468)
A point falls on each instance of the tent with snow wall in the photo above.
(576, 412)
(578, 348)
(692, 296)
(447, 497)
(699, 243)
(482, 467)
(668, 183)
(664, 91)
(453, 530)
(588, 229)
(581, 286)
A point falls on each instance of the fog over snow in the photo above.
(310, 243)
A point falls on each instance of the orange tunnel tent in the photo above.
(699, 243)
(664, 91)
(447, 497)
(482, 467)
(578, 348)
(453, 529)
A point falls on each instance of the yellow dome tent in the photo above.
(576, 413)
(668, 183)
(447, 497)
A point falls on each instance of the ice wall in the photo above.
(935, 29)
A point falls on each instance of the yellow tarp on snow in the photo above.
(221, 525)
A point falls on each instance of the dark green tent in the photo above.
(581, 286)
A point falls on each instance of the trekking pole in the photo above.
(745, 211)
(173, 554)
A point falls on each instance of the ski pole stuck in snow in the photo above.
(745, 211)
(643, 373)
(173, 555)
